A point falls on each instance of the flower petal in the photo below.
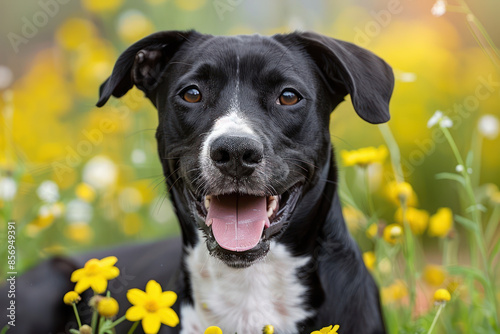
(167, 299)
(153, 289)
(151, 323)
(136, 296)
(82, 285)
(98, 284)
(77, 275)
(108, 261)
(135, 313)
(110, 273)
(168, 317)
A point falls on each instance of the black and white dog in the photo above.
(244, 142)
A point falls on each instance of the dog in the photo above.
(244, 142)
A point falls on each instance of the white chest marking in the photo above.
(244, 300)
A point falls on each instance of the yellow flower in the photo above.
(372, 231)
(107, 307)
(190, 5)
(369, 259)
(133, 25)
(99, 6)
(268, 329)
(393, 292)
(327, 330)
(442, 296)
(213, 330)
(434, 275)
(417, 219)
(364, 156)
(495, 198)
(71, 297)
(85, 192)
(392, 233)
(353, 218)
(79, 232)
(401, 193)
(152, 307)
(95, 274)
(75, 31)
(85, 329)
(441, 223)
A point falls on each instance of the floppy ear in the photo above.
(143, 64)
(349, 69)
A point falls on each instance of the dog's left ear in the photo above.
(143, 64)
(349, 69)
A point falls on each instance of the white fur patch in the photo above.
(245, 300)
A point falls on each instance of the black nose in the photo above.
(236, 156)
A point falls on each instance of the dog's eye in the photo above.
(288, 98)
(191, 95)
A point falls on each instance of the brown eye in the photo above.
(192, 95)
(288, 98)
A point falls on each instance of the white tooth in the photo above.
(273, 205)
(269, 212)
(207, 202)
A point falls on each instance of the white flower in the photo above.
(138, 156)
(130, 199)
(445, 122)
(48, 191)
(488, 126)
(469, 170)
(406, 76)
(8, 188)
(435, 118)
(439, 8)
(6, 77)
(79, 211)
(100, 172)
(459, 168)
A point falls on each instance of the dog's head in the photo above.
(243, 124)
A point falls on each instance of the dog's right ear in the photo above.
(143, 64)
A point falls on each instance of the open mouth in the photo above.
(239, 222)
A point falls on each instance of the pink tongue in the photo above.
(237, 221)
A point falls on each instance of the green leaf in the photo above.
(494, 252)
(473, 208)
(74, 331)
(451, 176)
(469, 272)
(468, 159)
(5, 329)
(467, 223)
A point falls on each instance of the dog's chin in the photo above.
(278, 210)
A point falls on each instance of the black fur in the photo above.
(297, 148)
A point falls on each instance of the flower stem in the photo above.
(4, 329)
(441, 306)
(134, 326)
(93, 324)
(369, 199)
(77, 316)
(117, 322)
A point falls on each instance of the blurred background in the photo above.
(75, 177)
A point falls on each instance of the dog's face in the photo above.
(243, 124)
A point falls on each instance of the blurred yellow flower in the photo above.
(392, 233)
(107, 307)
(190, 5)
(268, 329)
(442, 296)
(213, 330)
(353, 218)
(156, 2)
(80, 232)
(134, 25)
(327, 330)
(71, 297)
(99, 6)
(401, 193)
(369, 259)
(95, 274)
(394, 292)
(74, 32)
(434, 275)
(441, 223)
(495, 197)
(132, 224)
(364, 156)
(417, 219)
(372, 231)
(85, 192)
(152, 307)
